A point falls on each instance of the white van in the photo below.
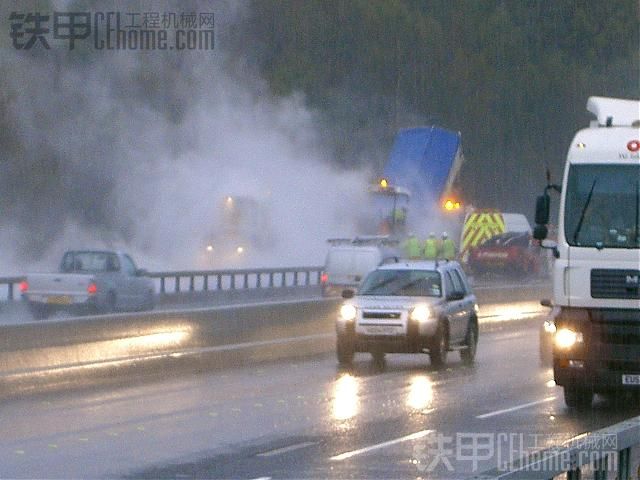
(349, 260)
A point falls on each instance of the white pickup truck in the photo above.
(89, 282)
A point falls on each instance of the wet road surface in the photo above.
(305, 419)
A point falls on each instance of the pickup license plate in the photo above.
(59, 300)
(631, 380)
(382, 330)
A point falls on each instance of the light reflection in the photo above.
(156, 340)
(505, 312)
(420, 393)
(345, 397)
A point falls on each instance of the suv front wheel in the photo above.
(468, 354)
(439, 346)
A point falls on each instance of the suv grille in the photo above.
(621, 284)
(381, 315)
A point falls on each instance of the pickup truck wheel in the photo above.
(39, 312)
(345, 351)
(579, 398)
(111, 302)
(468, 355)
(438, 347)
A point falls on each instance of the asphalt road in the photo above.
(305, 419)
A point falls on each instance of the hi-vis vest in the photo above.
(478, 227)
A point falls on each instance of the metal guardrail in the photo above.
(211, 280)
(11, 283)
(199, 280)
(603, 453)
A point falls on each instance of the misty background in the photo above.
(297, 106)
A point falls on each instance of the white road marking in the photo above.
(513, 409)
(353, 453)
(283, 450)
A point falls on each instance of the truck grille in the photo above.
(623, 366)
(381, 315)
(620, 284)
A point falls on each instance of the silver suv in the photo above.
(414, 307)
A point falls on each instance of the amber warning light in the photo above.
(450, 205)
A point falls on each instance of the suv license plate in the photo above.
(381, 330)
(631, 380)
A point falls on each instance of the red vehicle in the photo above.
(509, 252)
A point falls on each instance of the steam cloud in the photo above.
(136, 150)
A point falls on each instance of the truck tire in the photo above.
(439, 346)
(579, 398)
(468, 355)
(345, 351)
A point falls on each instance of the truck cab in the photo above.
(597, 256)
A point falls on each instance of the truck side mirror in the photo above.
(542, 210)
(540, 232)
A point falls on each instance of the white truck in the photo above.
(596, 268)
(89, 281)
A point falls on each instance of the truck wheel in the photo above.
(579, 398)
(438, 347)
(345, 351)
(468, 355)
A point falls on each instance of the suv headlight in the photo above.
(421, 313)
(348, 312)
(566, 338)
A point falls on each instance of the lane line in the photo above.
(407, 438)
(283, 450)
(517, 407)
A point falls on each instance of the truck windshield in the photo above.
(405, 283)
(602, 207)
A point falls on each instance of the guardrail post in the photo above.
(192, 283)
(162, 289)
(319, 277)
(574, 474)
(270, 279)
(233, 282)
(295, 279)
(307, 278)
(246, 281)
(10, 287)
(219, 281)
(600, 467)
(284, 279)
(177, 284)
(624, 466)
(259, 280)
(205, 283)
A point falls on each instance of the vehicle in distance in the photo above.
(414, 307)
(349, 260)
(89, 282)
(509, 253)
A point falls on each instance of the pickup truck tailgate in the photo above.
(58, 288)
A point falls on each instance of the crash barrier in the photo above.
(188, 281)
(612, 452)
(9, 284)
(205, 280)
(38, 354)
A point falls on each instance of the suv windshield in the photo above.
(603, 206)
(406, 283)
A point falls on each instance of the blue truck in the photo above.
(417, 189)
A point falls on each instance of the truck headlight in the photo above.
(566, 338)
(348, 312)
(421, 314)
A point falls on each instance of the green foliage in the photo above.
(512, 76)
